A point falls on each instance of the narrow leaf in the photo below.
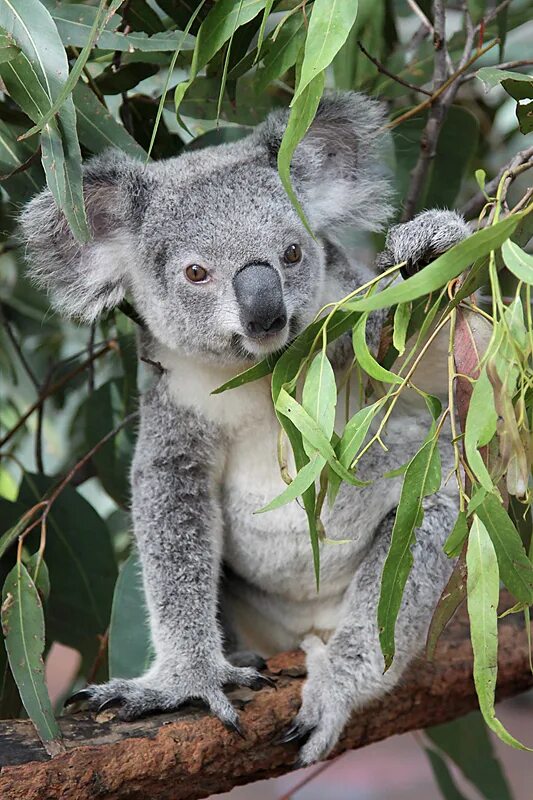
(483, 586)
(422, 478)
(23, 628)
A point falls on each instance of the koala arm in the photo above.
(178, 528)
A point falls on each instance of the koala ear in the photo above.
(85, 279)
(337, 168)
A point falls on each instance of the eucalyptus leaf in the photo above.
(422, 478)
(23, 628)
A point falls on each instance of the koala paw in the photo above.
(166, 689)
(325, 707)
(423, 239)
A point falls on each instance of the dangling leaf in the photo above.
(23, 628)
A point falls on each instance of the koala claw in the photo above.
(235, 726)
(295, 732)
(111, 702)
(77, 697)
(261, 681)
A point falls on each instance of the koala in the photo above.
(223, 273)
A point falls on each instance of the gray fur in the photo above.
(203, 463)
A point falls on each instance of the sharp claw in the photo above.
(110, 703)
(78, 697)
(293, 732)
(261, 681)
(235, 726)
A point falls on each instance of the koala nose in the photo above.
(260, 297)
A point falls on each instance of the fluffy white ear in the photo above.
(337, 169)
(85, 279)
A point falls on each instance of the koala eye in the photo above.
(292, 254)
(196, 274)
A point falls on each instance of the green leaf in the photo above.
(466, 741)
(518, 261)
(422, 478)
(319, 396)
(219, 25)
(305, 478)
(483, 586)
(34, 31)
(282, 53)
(402, 315)
(310, 430)
(8, 48)
(329, 26)
(23, 628)
(515, 568)
(452, 596)
(443, 776)
(13, 155)
(455, 541)
(97, 128)
(443, 269)
(350, 443)
(301, 116)
(518, 85)
(77, 69)
(74, 23)
(365, 358)
(480, 428)
(82, 566)
(524, 114)
(38, 572)
(130, 647)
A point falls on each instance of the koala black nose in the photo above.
(260, 296)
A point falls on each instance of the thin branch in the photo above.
(48, 502)
(492, 14)
(54, 388)
(381, 68)
(474, 206)
(440, 91)
(18, 349)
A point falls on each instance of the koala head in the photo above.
(208, 244)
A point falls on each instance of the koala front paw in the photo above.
(423, 239)
(166, 689)
(325, 707)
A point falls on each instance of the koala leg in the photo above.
(347, 673)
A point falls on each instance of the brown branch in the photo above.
(54, 388)
(476, 203)
(189, 754)
(384, 71)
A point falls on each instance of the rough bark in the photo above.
(188, 755)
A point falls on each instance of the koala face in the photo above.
(208, 245)
(224, 265)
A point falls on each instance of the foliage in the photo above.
(158, 78)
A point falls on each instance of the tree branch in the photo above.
(474, 206)
(189, 754)
(384, 71)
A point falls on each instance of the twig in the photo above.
(102, 650)
(24, 166)
(18, 349)
(474, 206)
(381, 68)
(492, 14)
(446, 85)
(54, 388)
(48, 502)
(128, 310)
(309, 778)
(524, 62)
